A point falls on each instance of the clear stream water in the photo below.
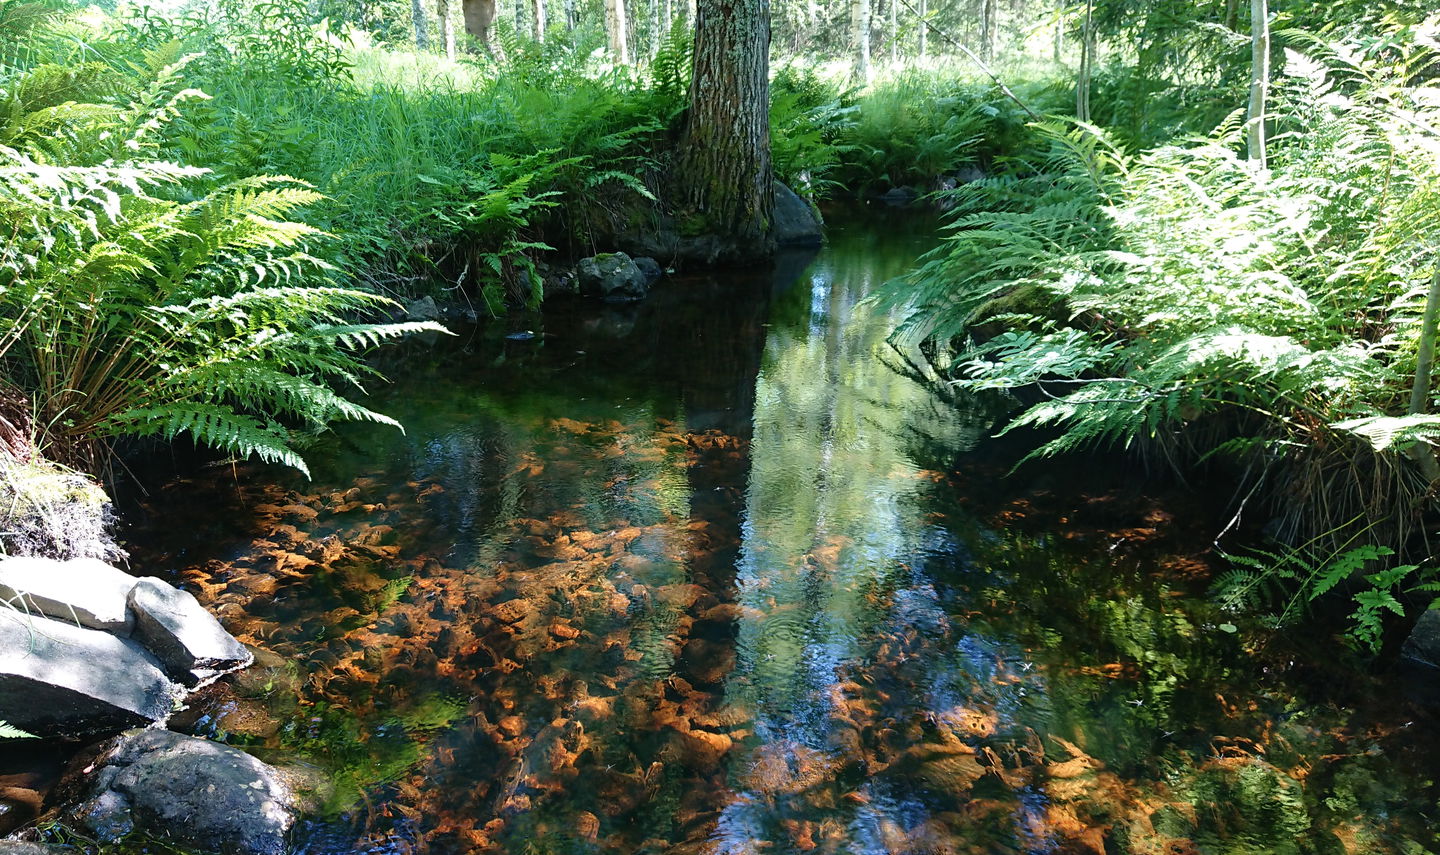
(706, 575)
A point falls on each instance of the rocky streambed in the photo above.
(87, 649)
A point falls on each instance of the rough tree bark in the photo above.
(725, 184)
(1259, 81)
(616, 31)
(860, 34)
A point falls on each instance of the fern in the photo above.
(8, 732)
(139, 303)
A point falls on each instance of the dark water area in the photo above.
(707, 575)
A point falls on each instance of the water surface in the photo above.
(708, 575)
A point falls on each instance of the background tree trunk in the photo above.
(725, 180)
(480, 24)
(987, 30)
(1058, 49)
(894, 33)
(616, 28)
(1087, 59)
(447, 28)
(924, 42)
(570, 16)
(653, 8)
(1259, 80)
(860, 33)
(422, 35)
(537, 19)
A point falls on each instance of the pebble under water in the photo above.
(708, 575)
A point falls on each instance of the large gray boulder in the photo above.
(192, 794)
(85, 591)
(795, 222)
(58, 679)
(186, 638)
(613, 276)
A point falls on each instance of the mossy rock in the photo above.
(48, 510)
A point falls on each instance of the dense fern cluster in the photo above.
(1182, 300)
(139, 296)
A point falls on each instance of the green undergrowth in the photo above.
(1183, 302)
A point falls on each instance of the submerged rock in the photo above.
(84, 591)
(185, 637)
(613, 276)
(58, 679)
(188, 792)
(650, 268)
(21, 847)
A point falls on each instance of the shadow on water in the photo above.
(705, 575)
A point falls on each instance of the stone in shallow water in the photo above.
(190, 642)
(86, 591)
(60, 679)
(191, 793)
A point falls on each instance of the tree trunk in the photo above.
(894, 33)
(654, 14)
(570, 16)
(1058, 49)
(480, 24)
(447, 28)
(537, 19)
(922, 47)
(520, 23)
(1259, 81)
(667, 19)
(615, 29)
(860, 33)
(1087, 60)
(987, 30)
(725, 181)
(422, 35)
(1232, 15)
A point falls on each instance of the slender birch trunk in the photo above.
(616, 29)
(1259, 81)
(570, 16)
(924, 42)
(1087, 61)
(538, 19)
(894, 33)
(447, 28)
(1058, 48)
(422, 35)
(860, 32)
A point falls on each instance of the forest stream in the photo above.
(705, 574)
